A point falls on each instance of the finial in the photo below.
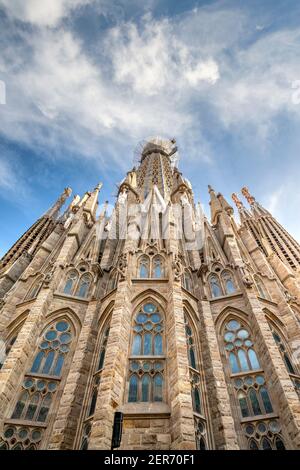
(210, 189)
(250, 199)
(237, 201)
(98, 187)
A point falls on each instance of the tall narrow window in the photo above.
(215, 286)
(287, 358)
(93, 393)
(144, 267)
(228, 282)
(195, 379)
(34, 290)
(157, 267)
(70, 282)
(147, 360)
(187, 281)
(260, 287)
(84, 286)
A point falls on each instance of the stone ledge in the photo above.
(140, 410)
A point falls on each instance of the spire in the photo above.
(53, 211)
(257, 209)
(244, 214)
(215, 205)
(225, 205)
(92, 201)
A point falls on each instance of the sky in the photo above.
(83, 82)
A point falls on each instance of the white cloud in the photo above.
(42, 12)
(203, 71)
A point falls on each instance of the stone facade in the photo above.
(190, 328)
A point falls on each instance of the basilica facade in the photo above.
(187, 326)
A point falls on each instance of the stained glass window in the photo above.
(70, 282)
(216, 290)
(146, 375)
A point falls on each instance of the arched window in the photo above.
(228, 282)
(34, 290)
(146, 363)
(144, 267)
(84, 286)
(70, 282)
(195, 379)
(94, 389)
(157, 267)
(112, 282)
(187, 282)
(251, 390)
(215, 287)
(260, 288)
(283, 350)
(4, 351)
(248, 380)
(53, 349)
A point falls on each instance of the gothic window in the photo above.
(112, 282)
(260, 288)
(157, 267)
(83, 286)
(20, 437)
(239, 345)
(144, 267)
(147, 361)
(34, 290)
(248, 380)
(195, 379)
(215, 287)
(284, 353)
(70, 282)
(187, 282)
(5, 351)
(94, 391)
(228, 282)
(53, 349)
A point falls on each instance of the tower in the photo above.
(189, 327)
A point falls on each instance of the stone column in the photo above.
(181, 421)
(113, 377)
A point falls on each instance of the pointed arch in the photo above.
(187, 281)
(149, 294)
(261, 288)
(215, 286)
(112, 281)
(228, 281)
(157, 267)
(70, 281)
(84, 285)
(147, 352)
(144, 267)
(34, 288)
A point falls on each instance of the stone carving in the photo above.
(178, 268)
(122, 265)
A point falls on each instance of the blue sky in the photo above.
(87, 80)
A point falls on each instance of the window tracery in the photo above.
(151, 267)
(249, 384)
(147, 360)
(42, 381)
